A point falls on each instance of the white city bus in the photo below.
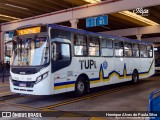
(51, 59)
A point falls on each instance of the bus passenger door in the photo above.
(61, 58)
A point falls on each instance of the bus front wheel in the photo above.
(135, 76)
(81, 87)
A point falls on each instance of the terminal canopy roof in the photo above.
(18, 9)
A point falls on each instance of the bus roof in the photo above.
(97, 34)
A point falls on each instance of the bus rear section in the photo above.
(157, 59)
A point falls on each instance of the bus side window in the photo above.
(80, 45)
(135, 50)
(94, 46)
(118, 45)
(56, 33)
(61, 51)
(107, 47)
(127, 49)
(150, 51)
(143, 51)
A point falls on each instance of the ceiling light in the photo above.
(10, 17)
(92, 1)
(138, 17)
(16, 6)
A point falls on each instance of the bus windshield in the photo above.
(30, 51)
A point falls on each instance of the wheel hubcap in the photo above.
(80, 86)
(135, 77)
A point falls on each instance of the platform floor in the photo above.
(119, 97)
(4, 87)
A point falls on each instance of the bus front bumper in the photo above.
(32, 88)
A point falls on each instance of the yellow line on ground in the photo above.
(24, 106)
(91, 96)
(2, 93)
(17, 98)
(48, 108)
(21, 106)
(4, 85)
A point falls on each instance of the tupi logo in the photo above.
(87, 64)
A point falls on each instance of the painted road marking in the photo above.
(2, 93)
(17, 98)
(4, 85)
(20, 105)
(49, 108)
(92, 96)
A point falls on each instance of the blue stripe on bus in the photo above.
(64, 83)
(93, 79)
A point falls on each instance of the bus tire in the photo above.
(135, 77)
(80, 87)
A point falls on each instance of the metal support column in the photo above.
(74, 23)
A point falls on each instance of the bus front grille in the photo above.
(23, 90)
(29, 84)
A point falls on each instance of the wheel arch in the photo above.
(135, 70)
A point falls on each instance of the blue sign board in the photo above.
(92, 21)
(97, 21)
(102, 20)
(10, 34)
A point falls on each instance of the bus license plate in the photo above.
(22, 84)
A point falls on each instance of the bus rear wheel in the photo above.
(135, 76)
(81, 87)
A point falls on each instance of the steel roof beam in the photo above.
(24, 3)
(152, 39)
(60, 3)
(83, 12)
(134, 31)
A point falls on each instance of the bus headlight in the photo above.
(41, 77)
